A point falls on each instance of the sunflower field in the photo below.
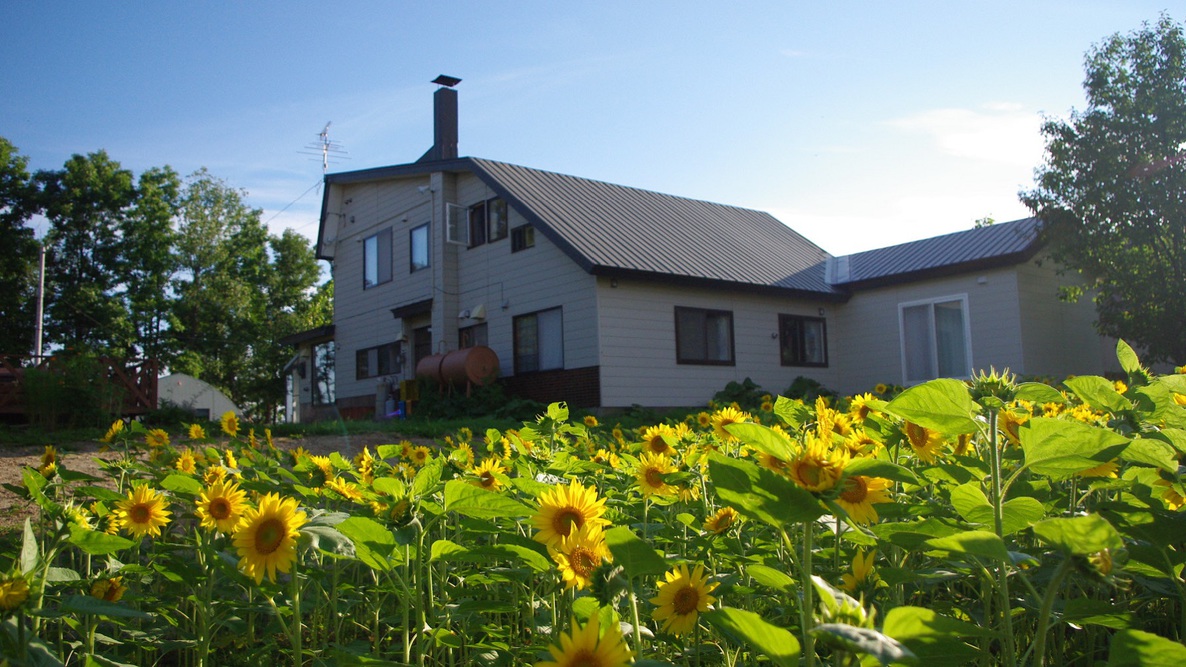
(982, 522)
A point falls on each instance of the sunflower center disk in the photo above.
(583, 562)
(855, 490)
(686, 601)
(269, 536)
(140, 514)
(566, 520)
(220, 509)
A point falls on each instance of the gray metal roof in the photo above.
(1000, 244)
(617, 230)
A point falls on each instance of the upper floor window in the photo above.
(703, 336)
(802, 341)
(488, 221)
(539, 341)
(935, 339)
(419, 245)
(522, 238)
(376, 259)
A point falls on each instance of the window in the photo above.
(376, 259)
(472, 335)
(539, 341)
(487, 222)
(323, 373)
(703, 336)
(935, 339)
(376, 361)
(802, 341)
(522, 238)
(419, 243)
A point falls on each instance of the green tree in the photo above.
(18, 261)
(86, 203)
(147, 261)
(1112, 189)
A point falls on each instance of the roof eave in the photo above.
(946, 270)
(835, 296)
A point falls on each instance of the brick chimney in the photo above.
(444, 120)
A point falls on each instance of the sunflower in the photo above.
(220, 506)
(651, 468)
(420, 455)
(117, 427)
(229, 423)
(266, 537)
(343, 488)
(773, 463)
(580, 554)
(703, 419)
(1011, 420)
(268, 439)
(721, 521)
(724, 417)
(927, 444)
(157, 437)
(862, 572)
(859, 495)
(196, 432)
(654, 440)
(681, 598)
(590, 421)
(588, 646)
(320, 470)
(565, 508)
(859, 443)
(143, 512)
(14, 590)
(109, 589)
(860, 407)
(817, 467)
(1172, 499)
(488, 472)
(880, 388)
(1180, 399)
(366, 465)
(49, 462)
(214, 474)
(186, 463)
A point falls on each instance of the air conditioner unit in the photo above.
(456, 224)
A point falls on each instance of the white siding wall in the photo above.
(1060, 337)
(868, 339)
(527, 281)
(489, 275)
(362, 317)
(638, 360)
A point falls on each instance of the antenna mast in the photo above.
(329, 151)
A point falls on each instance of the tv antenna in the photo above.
(328, 150)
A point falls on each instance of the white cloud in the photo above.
(998, 132)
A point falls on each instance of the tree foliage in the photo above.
(1112, 189)
(18, 261)
(181, 271)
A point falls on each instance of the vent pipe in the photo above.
(444, 120)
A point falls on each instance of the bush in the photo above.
(71, 392)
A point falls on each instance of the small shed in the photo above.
(198, 396)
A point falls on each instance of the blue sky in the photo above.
(859, 124)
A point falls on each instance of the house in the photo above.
(612, 296)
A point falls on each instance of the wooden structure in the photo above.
(134, 380)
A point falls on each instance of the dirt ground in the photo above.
(82, 457)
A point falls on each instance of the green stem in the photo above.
(635, 622)
(1003, 598)
(295, 626)
(1039, 647)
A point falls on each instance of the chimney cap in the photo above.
(446, 80)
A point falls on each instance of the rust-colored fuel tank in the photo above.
(470, 365)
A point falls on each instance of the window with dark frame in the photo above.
(419, 247)
(472, 335)
(522, 238)
(802, 341)
(377, 361)
(323, 373)
(703, 336)
(376, 259)
(539, 341)
(487, 222)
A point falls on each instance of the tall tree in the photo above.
(147, 261)
(18, 257)
(1112, 190)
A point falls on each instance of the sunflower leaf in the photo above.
(749, 630)
(886, 650)
(942, 405)
(1134, 647)
(96, 543)
(1059, 448)
(374, 544)
(470, 500)
(638, 558)
(760, 494)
